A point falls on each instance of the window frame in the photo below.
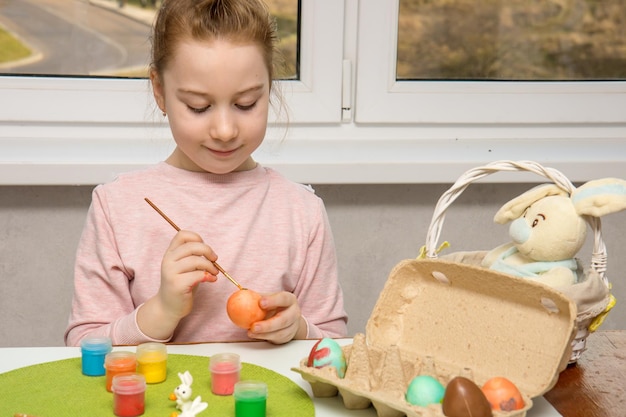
(314, 98)
(382, 99)
(69, 131)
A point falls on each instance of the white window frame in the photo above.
(57, 131)
(64, 130)
(382, 99)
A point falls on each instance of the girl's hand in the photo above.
(187, 262)
(283, 322)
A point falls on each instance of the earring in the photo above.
(164, 114)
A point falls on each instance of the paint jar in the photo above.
(119, 362)
(129, 394)
(250, 398)
(93, 351)
(152, 361)
(224, 369)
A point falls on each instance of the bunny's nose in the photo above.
(519, 231)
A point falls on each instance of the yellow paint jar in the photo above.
(152, 361)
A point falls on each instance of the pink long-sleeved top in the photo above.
(270, 234)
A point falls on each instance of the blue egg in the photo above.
(424, 390)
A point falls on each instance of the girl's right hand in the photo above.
(187, 262)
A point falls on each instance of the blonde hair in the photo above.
(239, 21)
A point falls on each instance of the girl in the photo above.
(136, 278)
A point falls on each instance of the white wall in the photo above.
(375, 227)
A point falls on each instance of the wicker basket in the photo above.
(591, 296)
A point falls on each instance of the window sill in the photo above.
(76, 154)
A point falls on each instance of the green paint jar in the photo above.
(250, 399)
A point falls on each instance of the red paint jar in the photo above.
(119, 362)
(129, 394)
(224, 369)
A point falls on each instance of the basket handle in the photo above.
(598, 259)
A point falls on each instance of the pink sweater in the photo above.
(270, 234)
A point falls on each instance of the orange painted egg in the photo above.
(502, 394)
(243, 308)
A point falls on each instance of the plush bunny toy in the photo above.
(548, 229)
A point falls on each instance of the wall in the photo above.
(375, 227)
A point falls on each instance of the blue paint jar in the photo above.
(93, 351)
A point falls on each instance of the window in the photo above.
(313, 97)
(355, 116)
(384, 98)
(517, 40)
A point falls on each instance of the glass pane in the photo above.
(101, 37)
(512, 40)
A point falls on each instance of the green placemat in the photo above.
(59, 389)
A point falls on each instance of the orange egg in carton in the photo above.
(446, 319)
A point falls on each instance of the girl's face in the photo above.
(216, 96)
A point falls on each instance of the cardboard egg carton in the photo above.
(448, 319)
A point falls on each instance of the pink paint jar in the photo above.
(224, 368)
(129, 394)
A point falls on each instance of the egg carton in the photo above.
(445, 318)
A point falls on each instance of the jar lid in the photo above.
(250, 389)
(128, 383)
(152, 348)
(96, 344)
(120, 359)
(224, 362)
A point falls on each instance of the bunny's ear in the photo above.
(188, 379)
(516, 207)
(185, 378)
(599, 197)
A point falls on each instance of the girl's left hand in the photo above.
(283, 322)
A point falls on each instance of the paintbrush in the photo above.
(231, 279)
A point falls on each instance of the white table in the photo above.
(279, 358)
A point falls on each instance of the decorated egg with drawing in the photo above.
(502, 394)
(327, 353)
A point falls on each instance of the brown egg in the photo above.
(463, 398)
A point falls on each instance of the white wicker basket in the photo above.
(588, 318)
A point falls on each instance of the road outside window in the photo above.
(101, 38)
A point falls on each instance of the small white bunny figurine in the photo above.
(194, 407)
(183, 391)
